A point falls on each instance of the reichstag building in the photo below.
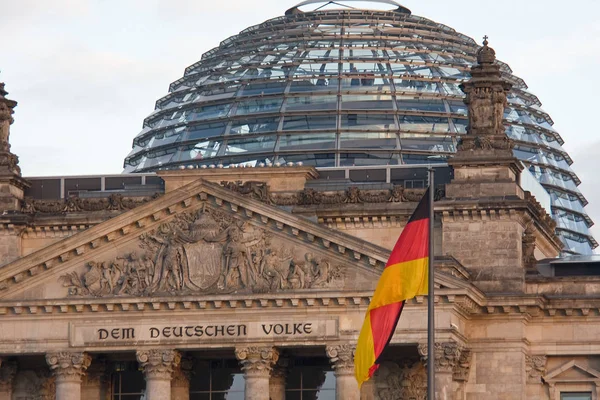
(236, 255)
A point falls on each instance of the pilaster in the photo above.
(95, 383)
(8, 371)
(180, 383)
(277, 380)
(257, 364)
(68, 368)
(341, 357)
(158, 366)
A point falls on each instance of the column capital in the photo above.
(158, 363)
(450, 357)
(68, 366)
(257, 360)
(8, 371)
(341, 357)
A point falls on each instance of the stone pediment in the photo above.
(200, 239)
(572, 372)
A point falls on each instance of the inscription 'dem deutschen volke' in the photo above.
(210, 331)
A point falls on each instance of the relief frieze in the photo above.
(205, 252)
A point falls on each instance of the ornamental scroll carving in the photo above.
(308, 196)
(257, 360)
(400, 382)
(341, 357)
(204, 252)
(115, 202)
(68, 365)
(535, 366)
(450, 357)
(157, 363)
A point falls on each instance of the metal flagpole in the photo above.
(430, 297)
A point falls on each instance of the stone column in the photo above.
(180, 384)
(277, 381)
(342, 360)
(68, 368)
(257, 363)
(158, 368)
(8, 370)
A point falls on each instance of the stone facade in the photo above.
(255, 266)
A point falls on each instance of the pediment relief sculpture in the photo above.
(205, 252)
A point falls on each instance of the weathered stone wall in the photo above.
(490, 248)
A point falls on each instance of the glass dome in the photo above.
(330, 84)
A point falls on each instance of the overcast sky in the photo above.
(87, 72)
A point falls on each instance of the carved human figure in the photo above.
(237, 261)
(275, 270)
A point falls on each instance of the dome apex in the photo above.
(342, 4)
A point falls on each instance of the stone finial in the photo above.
(257, 360)
(6, 111)
(68, 366)
(485, 54)
(158, 363)
(342, 358)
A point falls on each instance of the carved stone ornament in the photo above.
(401, 382)
(206, 252)
(257, 360)
(529, 260)
(6, 111)
(341, 357)
(158, 364)
(463, 367)
(450, 357)
(486, 97)
(307, 197)
(68, 366)
(115, 202)
(535, 366)
(8, 370)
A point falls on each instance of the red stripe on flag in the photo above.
(413, 243)
(383, 324)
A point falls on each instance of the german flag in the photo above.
(404, 277)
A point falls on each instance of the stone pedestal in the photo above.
(180, 383)
(342, 360)
(158, 368)
(8, 370)
(257, 364)
(68, 369)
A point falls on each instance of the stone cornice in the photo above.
(131, 224)
(470, 303)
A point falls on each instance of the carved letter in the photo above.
(154, 333)
(267, 332)
(308, 328)
(102, 334)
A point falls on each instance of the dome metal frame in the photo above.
(335, 88)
